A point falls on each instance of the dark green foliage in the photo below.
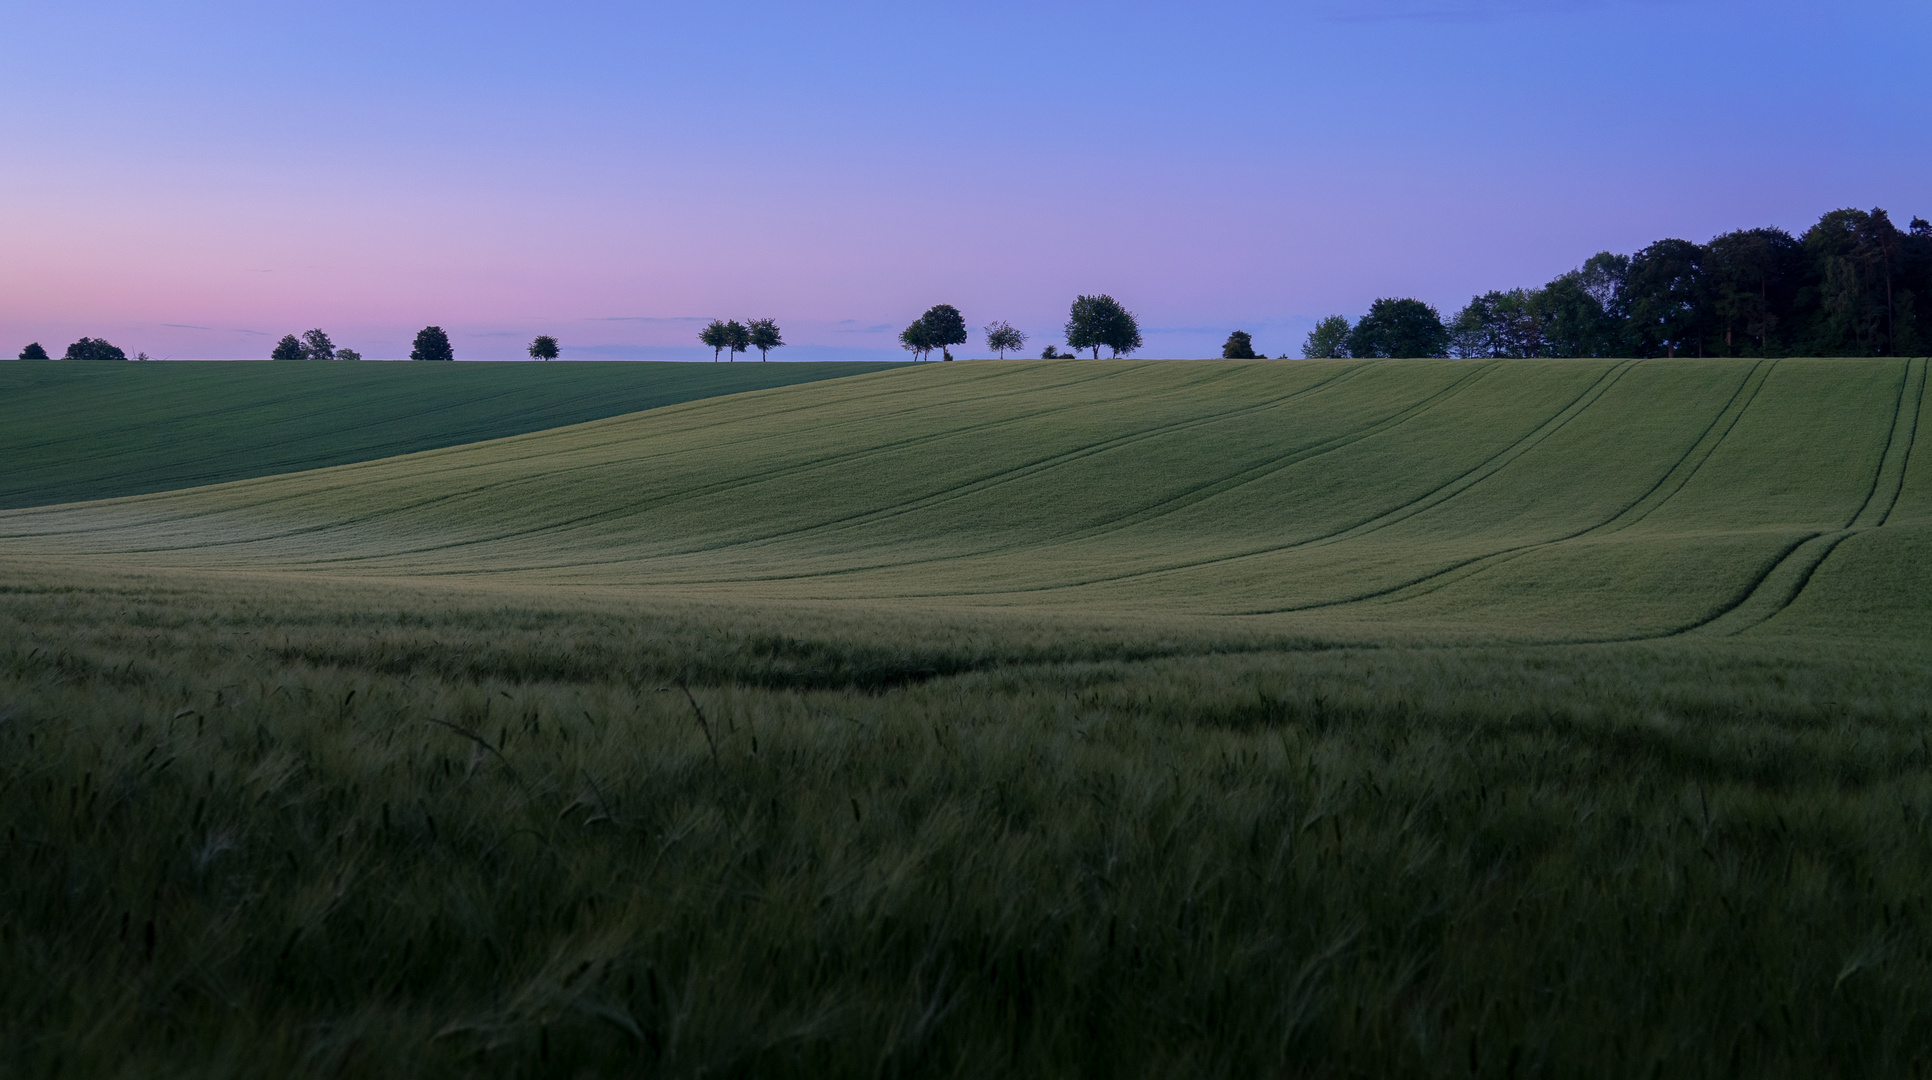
(945, 327)
(1859, 282)
(1752, 277)
(93, 349)
(1582, 311)
(717, 335)
(737, 337)
(916, 339)
(1239, 346)
(764, 336)
(317, 346)
(1661, 296)
(1052, 352)
(347, 354)
(69, 432)
(1328, 340)
(289, 348)
(432, 344)
(1001, 336)
(1399, 328)
(1097, 322)
(545, 348)
(33, 351)
(1499, 324)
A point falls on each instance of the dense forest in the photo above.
(1853, 285)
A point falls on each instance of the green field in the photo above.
(71, 431)
(1351, 718)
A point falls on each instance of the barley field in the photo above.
(1384, 718)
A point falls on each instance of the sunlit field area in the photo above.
(1326, 718)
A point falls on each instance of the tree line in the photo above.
(1853, 284)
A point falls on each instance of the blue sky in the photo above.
(607, 173)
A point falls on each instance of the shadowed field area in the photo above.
(74, 430)
(1392, 718)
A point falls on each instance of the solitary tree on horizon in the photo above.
(33, 351)
(717, 335)
(544, 348)
(1001, 336)
(765, 337)
(289, 348)
(432, 344)
(1099, 320)
(1239, 346)
(944, 326)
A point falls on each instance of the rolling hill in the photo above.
(1522, 500)
(71, 431)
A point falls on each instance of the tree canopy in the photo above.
(1001, 336)
(917, 339)
(1239, 346)
(33, 351)
(1328, 340)
(543, 348)
(737, 337)
(1097, 322)
(317, 346)
(1399, 327)
(89, 348)
(764, 336)
(432, 344)
(716, 335)
(289, 348)
(945, 326)
(347, 354)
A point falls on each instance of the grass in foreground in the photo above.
(259, 828)
(71, 431)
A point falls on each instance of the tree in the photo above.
(1239, 346)
(1000, 337)
(317, 346)
(1095, 321)
(737, 339)
(432, 344)
(544, 348)
(347, 354)
(1854, 262)
(1499, 324)
(765, 337)
(94, 349)
(1583, 309)
(917, 339)
(289, 348)
(1753, 277)
(1662, 296)
(1399, 327)
(717, 335)
(1052, 352)
(33, 352)
(944, 326)
(1328, 340)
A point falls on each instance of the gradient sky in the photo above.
(197, 179)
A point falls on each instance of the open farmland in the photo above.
(73, 431)
(1321, 718)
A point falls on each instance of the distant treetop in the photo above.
(432, 344)
(33, 352)
(764, 336)
(1239, 346)
(1099, 321)
(543, 348)
(94, 349)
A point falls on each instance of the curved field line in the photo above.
(1421, 504)
(1167, 506)
(1684, 468)
(1917, 399)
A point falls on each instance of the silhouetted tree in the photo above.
(1328, 340)
(1583, 309)
(1498, 324)
(33, 352)
(347, 354)
(765, 337)
(1399, 327)
(1000, 337)
(737, 338)
(289, 348)
(944, 326)
(1052, 352)
(717, 335)
(317, 346)
(1239, 346)
(917, 339)
(432, 344)
(1097, 321)
(543, 348)
(1662, 295)
(1854, 258)
(1752, 279)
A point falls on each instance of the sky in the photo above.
(193, 180)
